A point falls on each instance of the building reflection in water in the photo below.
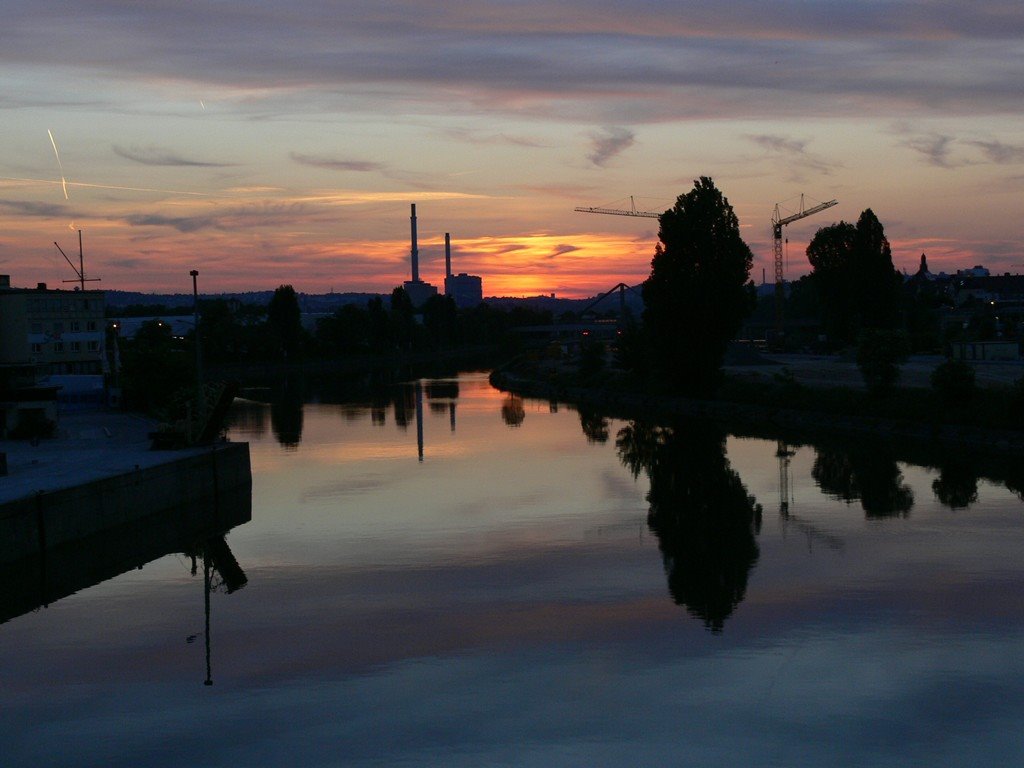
(408, 402)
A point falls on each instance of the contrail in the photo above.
(108, 186)
(63, 181)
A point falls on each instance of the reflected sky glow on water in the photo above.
(518, 597)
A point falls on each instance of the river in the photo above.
(442, 574)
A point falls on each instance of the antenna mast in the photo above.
(80, 269)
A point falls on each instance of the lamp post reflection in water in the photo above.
(206, 599)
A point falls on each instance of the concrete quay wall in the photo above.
(47, 519)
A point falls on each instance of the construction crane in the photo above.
(619, 212)
(778, 222)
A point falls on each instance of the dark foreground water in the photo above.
(536, 586)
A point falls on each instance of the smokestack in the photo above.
(415, 250)
(447, 255)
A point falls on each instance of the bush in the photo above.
(32, 425)
(1015, 413)
(591, 358)
(953, 382)
(879, 357)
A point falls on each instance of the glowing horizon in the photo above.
(286, 147)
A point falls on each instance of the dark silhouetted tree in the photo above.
(833, 265)
(697, 294)
(857, 283)
(284, 319)
(880, 285)
(880, 353)
(156, 369)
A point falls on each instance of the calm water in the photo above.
(526, 585)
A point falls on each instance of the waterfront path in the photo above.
(87, 446)
(833, 370)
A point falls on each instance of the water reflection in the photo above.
(512, 411)
(957, 485)
(286, 413)
(865, 473)
(701, 512)
(196, 531)
(595, 425)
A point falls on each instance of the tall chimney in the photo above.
(447, 255)
(415, 250)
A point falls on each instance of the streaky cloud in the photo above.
(266, 215)
(336, 164)
(561, 250)
(482, 138)
(37, 210)
(153, 155)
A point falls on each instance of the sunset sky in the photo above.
(267, 142)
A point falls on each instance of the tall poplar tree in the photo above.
(698, 292)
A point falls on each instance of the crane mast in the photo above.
(778, 222)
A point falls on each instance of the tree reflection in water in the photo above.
(595, 426)
(866, 473)
(286, 414)
(956, 486)
(701, 512)
(512, 411)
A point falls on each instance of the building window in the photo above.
(58, 327)
(76, 346)
(94, 346)
(58, 346)
(91, 325)
(75, 326)
(37, 348)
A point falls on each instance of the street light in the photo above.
(199, 358)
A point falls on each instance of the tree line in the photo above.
(699, 293)
(157, 369)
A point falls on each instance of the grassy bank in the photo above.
(991, 418)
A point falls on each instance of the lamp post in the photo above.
(199, 358)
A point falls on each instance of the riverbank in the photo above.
(765, 396)
(99, 473)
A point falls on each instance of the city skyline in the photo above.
(265, 145)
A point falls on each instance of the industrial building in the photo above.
(417, 290)
(466, 291)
